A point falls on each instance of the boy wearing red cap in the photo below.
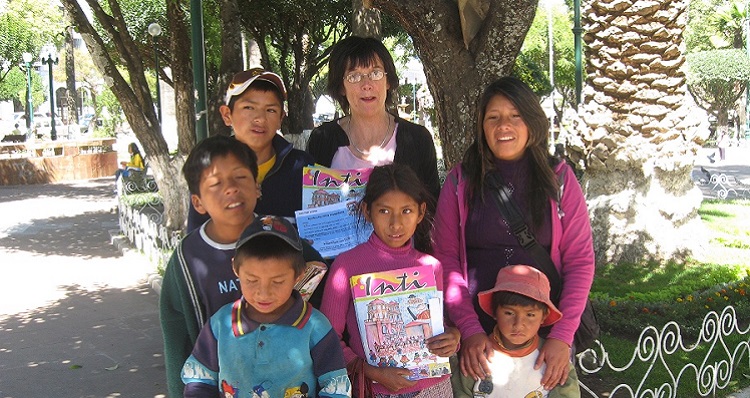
(520, 304)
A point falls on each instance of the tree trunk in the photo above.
(722, 123)
(135, 99)
(365, 20)
(70, 77)
(182, 76)
(301, 107)
(456, 75)
(636, 136)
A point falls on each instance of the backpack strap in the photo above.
(525, 237)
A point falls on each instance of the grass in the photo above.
(657, 371)
(141, 199)
(628, 298)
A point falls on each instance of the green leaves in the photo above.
(26, 26)
(717, 77)
(718, 65)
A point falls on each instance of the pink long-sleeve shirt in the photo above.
(572, 252)
(338, 305)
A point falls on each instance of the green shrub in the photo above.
(630, 297)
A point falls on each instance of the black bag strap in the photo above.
(510, 211)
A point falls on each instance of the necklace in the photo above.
(356, 148)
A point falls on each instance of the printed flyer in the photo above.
(332, 229)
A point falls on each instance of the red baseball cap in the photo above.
(527, 281)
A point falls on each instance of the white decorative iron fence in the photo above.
(141, 213)
(664, 351)
(722, 185)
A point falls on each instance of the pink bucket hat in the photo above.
(524, 280)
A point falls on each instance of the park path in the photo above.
(77, 316)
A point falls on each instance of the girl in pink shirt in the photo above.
(395, 202)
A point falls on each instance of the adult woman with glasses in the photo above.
(362, 79)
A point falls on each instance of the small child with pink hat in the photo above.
(520, 304)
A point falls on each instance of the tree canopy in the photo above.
(716, 79)
(532, 64)
(26, 26)
(295, 40)
(714, 24)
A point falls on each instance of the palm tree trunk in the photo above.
(634, 134)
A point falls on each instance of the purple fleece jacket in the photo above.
(572, 253)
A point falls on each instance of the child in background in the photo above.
(270, 342)
(254, 109)
(135, 163)
(520, 304)
(395, 201)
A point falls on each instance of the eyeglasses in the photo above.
(356, 77)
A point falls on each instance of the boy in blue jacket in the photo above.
(270, 342)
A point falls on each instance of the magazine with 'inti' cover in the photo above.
(396, 312)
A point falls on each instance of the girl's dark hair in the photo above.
(399, 177)
(359, 52)
(206, 151)
(269, 247)
(478, 158)
(134, 148)
(504, 297)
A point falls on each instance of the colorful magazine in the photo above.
(329, 219)
(396, 312)
(314, 272)
(322, 186)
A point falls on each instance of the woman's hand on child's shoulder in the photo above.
(556, 354)
(475, 350)
(445, 344)
(394, 379)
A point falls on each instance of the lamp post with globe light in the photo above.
(50, 58)
(155, 30)
(29, 106)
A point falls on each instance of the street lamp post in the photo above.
(577, 33)
(29, 106)
(414, 99)
(155, 30)
(51, 58)
(551, 43)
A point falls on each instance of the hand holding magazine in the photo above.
(396, 312)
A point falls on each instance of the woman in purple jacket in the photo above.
(473, 240)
